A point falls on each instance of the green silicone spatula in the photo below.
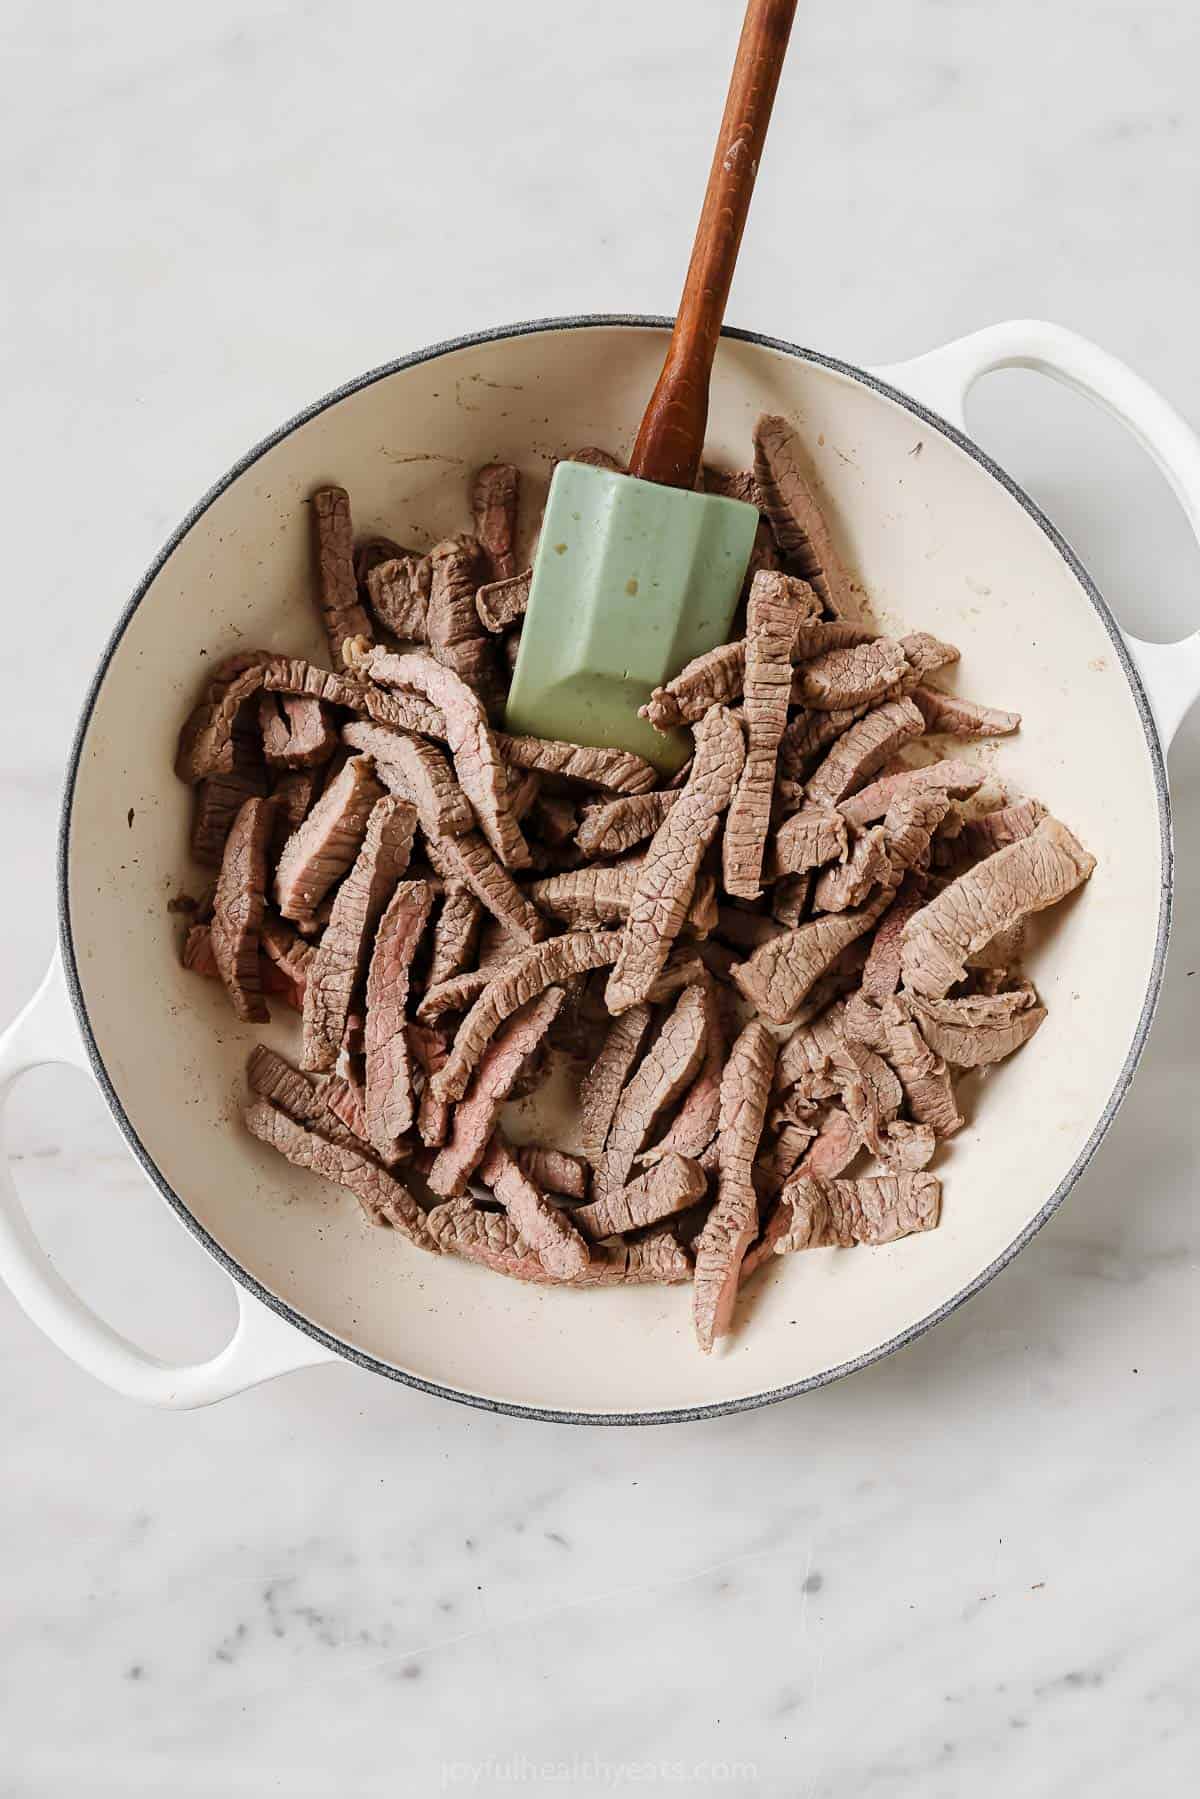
(635, 574)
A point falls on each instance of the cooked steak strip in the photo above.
(816, 637)
(672, 1185)
(801, 745)
(455, 934)
(502, 604)
(340, 962)
(477, 1115)
(714, 679)
(857, 676)
(292, 954)
(326, 844)
(908, 828)
(996, 830)
(601, 1089)
(341, 612)
(668, 874)
(881, 975)
(295, 792)
(864, 748)
(834, 1147)
(613, 771)
(429, 1049)
(418, 772)
(477, 763)
(455, 994)
(238, 907)
(665, 1071)
(383, 1199)
(297, 732)
(925, 1078)
(825, 1212)
(958, 780)
(210, 722)
(370, 552)
(530, 973)
(809, 839)
(398, 590)
(554, 1170)
(789, 899)
(777, 978)
(736, 484)
(388, 1087)
(778, 1162)
(274, 1079)
(456, 637)
(839, 888)
(950, 716)
(1035, 872)
(470, 858)
(220, 798)
(611, 828)
(978, 1030)
(800, 530)
(926, 654)
(604, 895)
(494, 497)
(810, 1050)
(732, 1224)
(494, 1240)
(548, 1232)
(771, 620)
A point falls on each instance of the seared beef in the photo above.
(383, 1199)
(477, 1115)
(714, 679)
(493, 1239)
(238, 906)
(297, 732)
(996, 830)
(604, 1080)
(925, 1078)
(843, 678)
(733, 1222)
(326, 844)
(398, 590)
(863, 749)
(456, 637)
(469, 858)
(554, 1170)
(951, 716)
(388, 1090)
(611, 828)
(338, 588)
(274, 1079)
(455, 934)
(502, 604)
(494, 499)
(801, 745)
(1035, 872)
(800, 530)
(672, 1185)
(668, 874)
(956, 779)
(549, 1233)
(417, 771)
(220, 798)
(429, 1049)
(868, 1211)
(778, 977)
(771, 620)
(664, 1073)
(604, 895)
(612, 771)
(979, 1029)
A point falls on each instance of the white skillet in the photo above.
(942, 540)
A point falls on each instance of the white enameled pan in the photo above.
(942, 541)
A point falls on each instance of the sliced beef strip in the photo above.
(908, 828)
(455, 994)
(996, 830)
(926, 654)
(477, 761)
(455, 934)
(858, 676)
(807, 736)
(429, 1048)
(772, 617)
(210, 719)
(1035, 872)
(596, 458)
(494, 497)
(220, 798)
(841, 977)
(238, 907)
(881, 975)
(388, 1085)
(340, 962)
(956, 779)
(810, 1050)
(295, 792)
(810, 838)
(789, 899)
(417, 771)
(879, 1210)
(799, 527)
(665, 1071)
(857, 754)
(326, 844)
(865, 1024)
(925, 1078)
(834, 1147)
(554, 1170)
(732, 484)
(778, 977)
(492, 1239)
(503, 604)
(545, 965)
(697, 1120)
(552, 1236)
(341, 612)
(778, 1162)
(604, 895)
(292, 954)
(948, 715)
(614, 826)
(732, 1224)
(297, 732)
(476, 1116)
(847, 884)
(816, 637)
(672, 1185)
(398, 591)
(456, 637)
(714, 679)
(369, 552)
(978, 1030)
(471, 859)
(601, 1088)
(668, 874)
(274, 1079)
(383, 1199)
(613, 771)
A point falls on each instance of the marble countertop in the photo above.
(969, 1570)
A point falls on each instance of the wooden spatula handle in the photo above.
(671, 438)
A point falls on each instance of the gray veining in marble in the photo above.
(970, 1570)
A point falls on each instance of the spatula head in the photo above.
(630, 582)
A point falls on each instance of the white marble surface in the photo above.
(971, 1570)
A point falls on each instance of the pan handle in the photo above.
(262, 1345)
(943, 378)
